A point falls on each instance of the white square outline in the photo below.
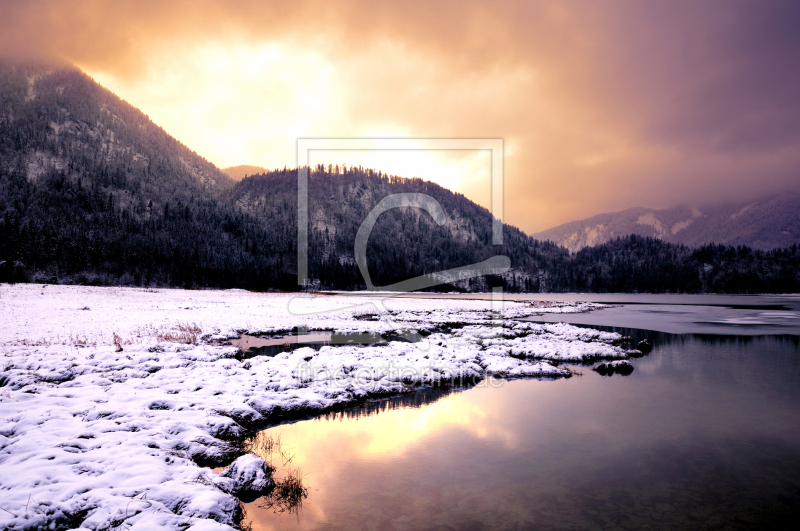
(305, 145)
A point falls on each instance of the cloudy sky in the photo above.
(602, 105)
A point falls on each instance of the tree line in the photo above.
(93, 192)
(67, 229)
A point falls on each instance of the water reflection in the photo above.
(415, 399)
(704, 434)
(272, 346)
(289, 492)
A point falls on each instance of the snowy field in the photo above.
(114, 402)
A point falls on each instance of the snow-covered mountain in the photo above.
(54, 119)
(766, 223)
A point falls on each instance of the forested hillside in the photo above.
(57, 119)
(404, 243)
(641, 264)
(91, 191)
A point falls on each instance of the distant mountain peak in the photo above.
(765, 223)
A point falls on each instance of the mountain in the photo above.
(56, 118)
(93, 192)
(237, 173)
(404, 243)
(766, 223)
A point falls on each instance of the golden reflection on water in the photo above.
(700, 427)
(326, 449)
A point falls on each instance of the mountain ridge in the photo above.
(765, 223)
(93, 192)
(69, 120)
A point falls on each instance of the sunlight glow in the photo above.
(240, 103)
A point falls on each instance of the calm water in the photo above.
(694, 314)
(704, 434)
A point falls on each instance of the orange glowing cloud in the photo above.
(602, 106)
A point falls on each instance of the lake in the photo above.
(704, 434)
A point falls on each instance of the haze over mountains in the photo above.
(92, 191)
(765, 223)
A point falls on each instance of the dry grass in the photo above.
(25, 342)
(268, 447)
(81, 341)
(189, 327)
(77, 340)
(177, 337)
(288, 494)
(180, 333)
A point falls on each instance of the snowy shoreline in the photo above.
(112, 400)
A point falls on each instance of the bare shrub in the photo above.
(117, 342)
(192, 328)
(288, 494)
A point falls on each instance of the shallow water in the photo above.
(703, 315)
(271, 346)
(705, 434)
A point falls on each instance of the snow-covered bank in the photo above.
(93, 436)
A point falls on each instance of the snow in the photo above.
(681, 225)
(249, 473)
(95, 437)
(742, 211)
(589, 237)
(650, 219)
